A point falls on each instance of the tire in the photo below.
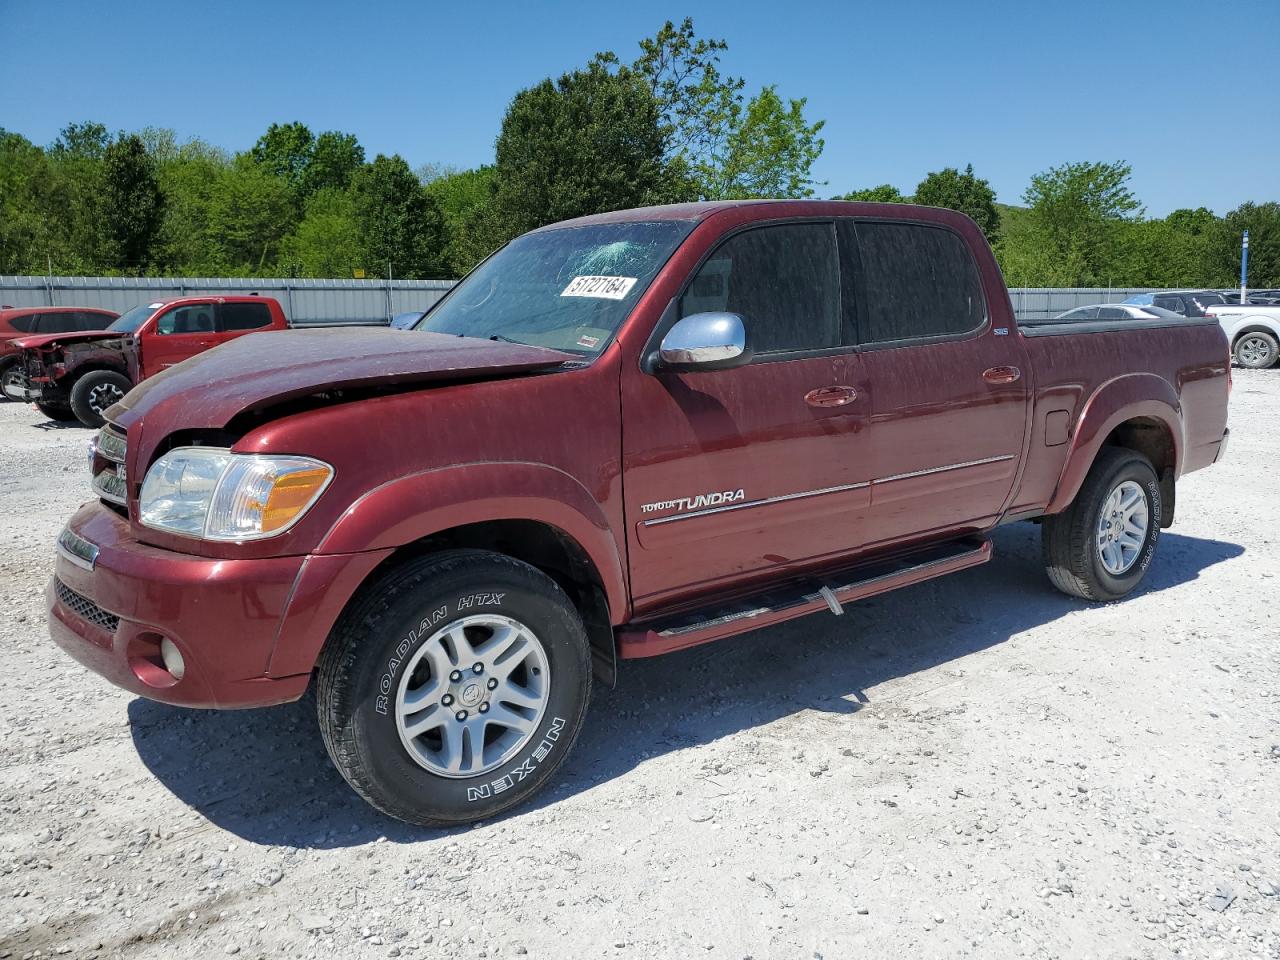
(1080, 559)
(57, 411)
(1256, 350)
(394, 639)
(7, 370)
(94, 392)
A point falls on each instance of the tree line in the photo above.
(665, 127)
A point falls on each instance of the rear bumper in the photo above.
(112, 612)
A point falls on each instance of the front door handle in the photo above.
(1001, 374)
(836, 396)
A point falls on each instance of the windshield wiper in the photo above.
(498, 336)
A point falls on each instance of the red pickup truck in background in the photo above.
(618, 436)
(79, 375)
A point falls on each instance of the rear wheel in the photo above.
(1257, 350)
(94, 392)
(1099, 548)
(454, 687)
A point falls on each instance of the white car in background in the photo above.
(1252, 330)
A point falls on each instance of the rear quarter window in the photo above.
(25, 323)
(918, 281)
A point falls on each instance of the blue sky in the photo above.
(1184, 91)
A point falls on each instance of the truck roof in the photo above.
(703, 209)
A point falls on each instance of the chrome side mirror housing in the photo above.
(705, 341)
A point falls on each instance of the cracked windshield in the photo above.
(567, 288)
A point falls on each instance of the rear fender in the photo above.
(1125, 398)
(413, 507)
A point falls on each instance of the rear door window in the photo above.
(1081, 313)
(918, 282)
(1112, 313)
(1171, 303)
(782, 280)
(243, 316)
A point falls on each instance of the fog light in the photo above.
(172, 659)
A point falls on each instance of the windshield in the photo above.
(568, 288)
(130, 322)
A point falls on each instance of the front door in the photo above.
(175, 335)
(752, 471)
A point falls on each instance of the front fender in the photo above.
(412, 507)
(1124, 398)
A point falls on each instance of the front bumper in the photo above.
(19, 387)
(111, 611)
(1222, 447)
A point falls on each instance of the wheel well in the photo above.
(93, 368)
(545, 548)
(1152, 439)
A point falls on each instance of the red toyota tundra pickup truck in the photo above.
(618, 436)
(79, 375)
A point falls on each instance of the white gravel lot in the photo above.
(977, 766)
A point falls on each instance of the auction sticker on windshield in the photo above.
(606, 288)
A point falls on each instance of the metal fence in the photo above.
(315, 302)
(305, 302)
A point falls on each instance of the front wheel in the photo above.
(1099, 548)
(1257, 350)
(94, 392)
(453, 688)
(58, 412)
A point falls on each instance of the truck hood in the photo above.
(265, 369)
(46, 339)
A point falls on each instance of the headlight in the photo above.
(214, 494)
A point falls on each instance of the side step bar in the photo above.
(821, 592)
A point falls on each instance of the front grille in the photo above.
(84, 608)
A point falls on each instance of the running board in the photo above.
(820, 592)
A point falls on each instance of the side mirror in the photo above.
(705, 341)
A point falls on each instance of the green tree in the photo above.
(85, 141)
(77, 241)
(250, 213)
(131, 205)
(885, 193)
(1073, 210)
(327, 242)
(964, 192)
(769, 152)
(399, 225)
(588, 142)
(732, 148)
(27, 198)
(189, 175)
(334, 159)
(1262, 220)
(465, 199)
(285, 151)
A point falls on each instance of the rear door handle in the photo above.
(1001, 374)
(836, 396)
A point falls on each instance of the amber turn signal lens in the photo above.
(289, 495)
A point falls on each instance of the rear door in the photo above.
(238, 318)
(176, 334)
(948, 391)
(735, 473)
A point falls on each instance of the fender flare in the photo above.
(420, 504)
(1116, 401)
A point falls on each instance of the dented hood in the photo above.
(45, 339)
(268, 368)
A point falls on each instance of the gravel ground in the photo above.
(977, 766)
